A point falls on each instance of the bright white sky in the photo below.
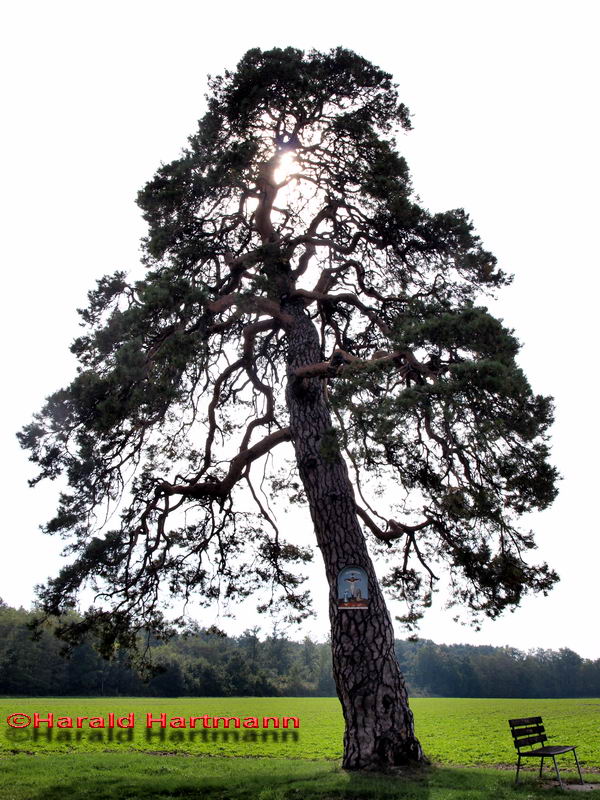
(505, 113)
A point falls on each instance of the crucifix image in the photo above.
(353, 589)
(353, 580)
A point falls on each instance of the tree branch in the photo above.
(267, 192)
(260, 305)
(345, 297)
(395, 530)
(342, 362)
(250, 332)
(214, 488)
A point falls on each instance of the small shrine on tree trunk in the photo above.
(353, 588)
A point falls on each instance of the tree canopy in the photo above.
(291, 198)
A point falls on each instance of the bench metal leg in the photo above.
(557, 772)
(578, 767)
(518, 768)
(541, 765)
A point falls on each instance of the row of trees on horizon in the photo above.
(258, 664)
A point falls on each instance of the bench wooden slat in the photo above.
(549, 750)
(533, 730)
(528, 740)
(524, 721)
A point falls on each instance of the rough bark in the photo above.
(379, 723)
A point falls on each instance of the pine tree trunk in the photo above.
(379, 724)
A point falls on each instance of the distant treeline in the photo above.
(207, 664)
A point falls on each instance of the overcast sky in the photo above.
(504, 97)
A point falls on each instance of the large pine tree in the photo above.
(298, 297)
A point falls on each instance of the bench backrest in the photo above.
(527, 731)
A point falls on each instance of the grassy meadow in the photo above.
(467, 741)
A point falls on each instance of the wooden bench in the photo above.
(528, 731)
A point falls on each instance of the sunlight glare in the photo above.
(286, 167)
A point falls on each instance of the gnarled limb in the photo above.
(342, 362)
(250, 303)
(249, 333)
(395, 530)
(327, 212)
(345, 297)
(267, 192)
(215, 488)
(212, 407)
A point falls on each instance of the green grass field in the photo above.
(304, 763)
(452, 731)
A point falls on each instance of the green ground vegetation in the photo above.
(467, 740)
(109, 776)
(453, 731)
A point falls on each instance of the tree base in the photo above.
(381, 754)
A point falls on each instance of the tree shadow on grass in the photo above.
(447, 783)
(287, 781)
(267, 787)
